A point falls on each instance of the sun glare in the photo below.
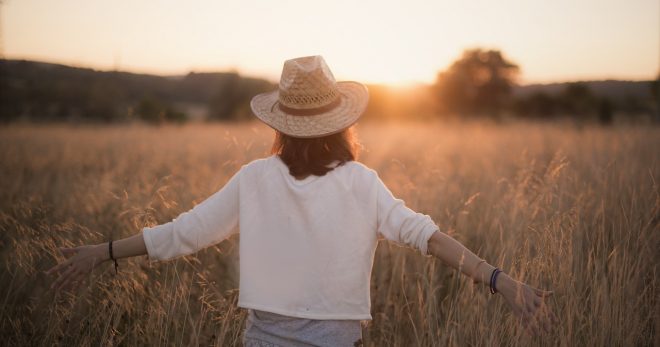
(391, 73)
(389, 42)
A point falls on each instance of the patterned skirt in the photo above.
(266, 329)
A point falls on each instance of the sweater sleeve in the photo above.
(206, 224)
(399, 223)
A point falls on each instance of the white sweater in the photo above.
(306, 246)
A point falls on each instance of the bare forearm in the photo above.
(454, 254)
(128, 247)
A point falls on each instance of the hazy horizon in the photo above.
(275, 81)
(373, 42)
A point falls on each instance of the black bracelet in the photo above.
(112, 257)
(493, 280)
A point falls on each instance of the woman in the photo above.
(309, 218)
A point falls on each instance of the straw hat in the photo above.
(309, 102)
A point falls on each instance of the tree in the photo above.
(578, 100)
(605, 111)
(480, 82)
(655, 90)
(155, 111)
(226, 99)
(231, 100)
(538, 104)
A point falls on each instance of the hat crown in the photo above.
(307, 83)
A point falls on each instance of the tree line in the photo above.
(480, 84)
(50, 92)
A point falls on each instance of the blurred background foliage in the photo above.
(480, 84)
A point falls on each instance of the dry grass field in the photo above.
(575, 210)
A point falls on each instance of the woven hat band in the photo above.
(309, 111)
(321, 96)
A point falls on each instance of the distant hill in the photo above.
(614, 89)
(37, 91)
(44, 91)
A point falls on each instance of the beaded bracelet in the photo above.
(493, 280)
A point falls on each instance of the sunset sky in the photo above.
(395, 42)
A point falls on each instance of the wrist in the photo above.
(102, 252)
(504, 284)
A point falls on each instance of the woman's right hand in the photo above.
(75, 269)
(528, 304)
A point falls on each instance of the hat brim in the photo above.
(354, 97)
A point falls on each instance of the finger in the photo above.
(69, 284)
(51, 270)
(535, 327)
(82, 277)
(59, 267)
(550, 318)
(83, 281)
(68, 251)
(546, 321)
(555, 319)
(530, 328)
(531, 318)
(543, 293)
(531, 309)
(74, 284)
(526, 319)
(59, 279)
(73, 280)
(526, 327)
(518, 312)
(64, 278)
(547, 326)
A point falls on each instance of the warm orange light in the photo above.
(371, 41)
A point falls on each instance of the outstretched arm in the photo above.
(526, 302)
(84, 259)
(208, 223)
(399, 223)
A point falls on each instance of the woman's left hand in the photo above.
(528, 304)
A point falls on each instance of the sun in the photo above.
(395, 71)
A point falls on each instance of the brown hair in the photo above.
(312, 156)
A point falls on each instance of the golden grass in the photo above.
(573, 210)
